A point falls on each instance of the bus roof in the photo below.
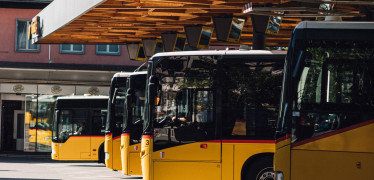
(334, 25)
(219, 53)
(81, 97)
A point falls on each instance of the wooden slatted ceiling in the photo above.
(125, 21)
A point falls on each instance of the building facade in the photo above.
(32, 76)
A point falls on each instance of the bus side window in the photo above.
(80, 121)
(251, 99)
(97, 128)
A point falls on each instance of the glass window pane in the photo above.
(252, 99)
(65, 125)
(22, 42)
(80, 119)
(32, 46)
(113, 48)
(30, 117)
(46, 105)
(101, 48)
(77, 47)
(97, 126)
(65, 47)
(21, 35)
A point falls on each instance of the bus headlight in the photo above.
(278, 175)
(53, 151)
(106, 155)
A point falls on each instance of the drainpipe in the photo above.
(49, 53)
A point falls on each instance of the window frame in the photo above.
(108, 52)
(72, 51)
(17, 49)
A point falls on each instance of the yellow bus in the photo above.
(78, 128)
(326, 121)
(113, 129)
(117, 150)
(133, 123)
(211, 115)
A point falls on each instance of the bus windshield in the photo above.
(137, 113)
(334, 86)
(116, 110)
(194, 89)
(186, 100)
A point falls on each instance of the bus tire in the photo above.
(101, 154)
(260, 169)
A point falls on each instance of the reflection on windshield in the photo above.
(189, 86)
(335, 87)
(116, 110)
(185, 113)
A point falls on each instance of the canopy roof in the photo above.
(126, 21)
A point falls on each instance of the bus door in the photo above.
(73, 129)
(185, 143)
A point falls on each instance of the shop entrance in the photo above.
(10, 118)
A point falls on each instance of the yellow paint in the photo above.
(283, 142)
(326, 165)
(344, 156)
(78, 148)
(355, 140)
(130, 157)
(96, 141)
(108, 144)
(145, 155)
(134, 163)
(187, 170)
(116, 157)
(282, 160)
(191, 152)
(243, 151)
(112, 147)
(206, 163)
(55, 151)
(228, 159)
(125, 143)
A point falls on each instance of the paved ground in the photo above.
(42, 168)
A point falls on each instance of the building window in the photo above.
(108, 49)
(22, 42)
(72, 48)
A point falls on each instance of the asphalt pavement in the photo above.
(17, 167)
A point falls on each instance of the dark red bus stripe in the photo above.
(287, 136)
(125, 134)
(116, 137)
(240, 141)
(147, 136)
(86, 136)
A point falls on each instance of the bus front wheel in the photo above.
(261, 169)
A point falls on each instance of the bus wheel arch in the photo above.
(257, 166)
(101, 154)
